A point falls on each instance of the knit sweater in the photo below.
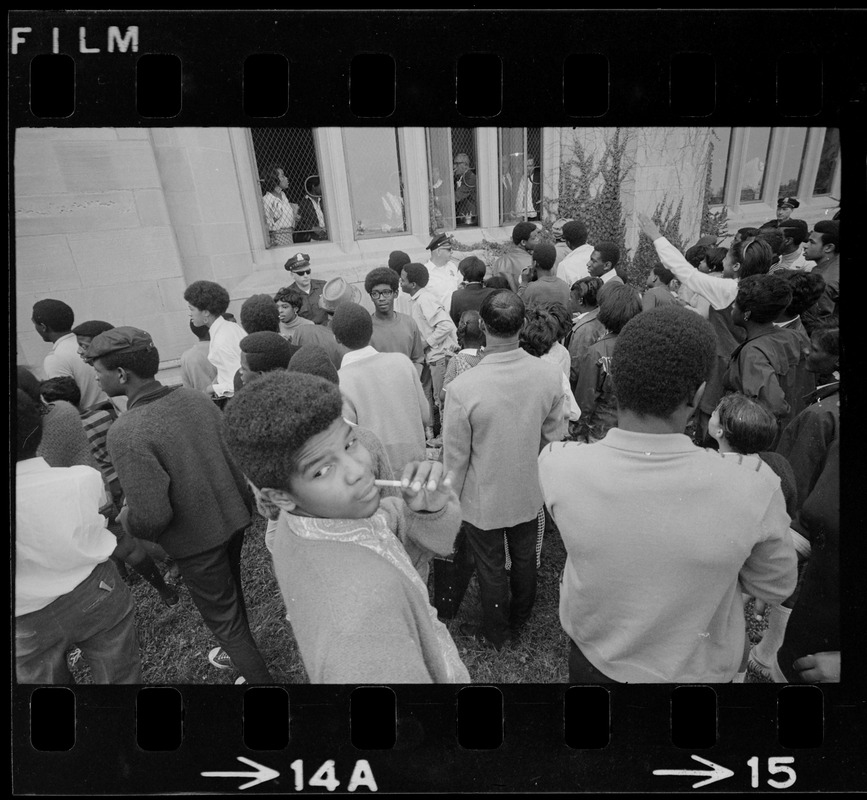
(356, 617)
(64, 442)
(182, 487)
(651, 590)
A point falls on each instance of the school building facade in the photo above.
(118, 221)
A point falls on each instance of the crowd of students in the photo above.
(682, 440)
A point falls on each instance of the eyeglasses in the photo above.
(385, 293)
(302, 271)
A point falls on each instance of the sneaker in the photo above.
(220, 659)
(240, 680)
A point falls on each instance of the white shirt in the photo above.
(573, 267)
(556, 357)
(357, 355)
(225, 354)
(64, 360)
(60, 535)
(443, 281)
(279, 213)
(719, 292)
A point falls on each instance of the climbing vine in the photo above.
(712, 223)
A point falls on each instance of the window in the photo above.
(827, 162)
(376, 195)
(452, 169)
(719, 163)
(755, 161)
(793, 162)
(520, 181)
(293, 151)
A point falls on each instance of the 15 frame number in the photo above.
(362, 775)
(776, 766)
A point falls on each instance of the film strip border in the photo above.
(374, 67)
(539, 738)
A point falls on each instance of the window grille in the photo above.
(520, 179)
(294, 151)
(465, 177)
(827, 162)
(376, 195)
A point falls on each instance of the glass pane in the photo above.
(442, 196)
(719, 163)
(520, 174)
(828, 162)
(375, 181)
(465, 176)
(292, 204)
(793, 162)
(755, 161)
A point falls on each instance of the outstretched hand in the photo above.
(424, 485)
(648, 226)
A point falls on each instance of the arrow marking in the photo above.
(716, 772)
(261, 774)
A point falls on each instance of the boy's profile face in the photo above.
(334, 476)
(286, 311)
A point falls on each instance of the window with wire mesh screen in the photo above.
(373, 170)
(292, 205)
(520, 180)
(451, 164)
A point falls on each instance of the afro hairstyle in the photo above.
(267, 425)
(660, 359)
(523, 231)
(544, 256)
(266, 350)
(397, 260)
(417, 273)
(352, 326)
(259, 313)
(746, 425)
(62, 388)
(608, 251)
(313, 360)
(765, 297)
(292, 295)
(92, 328)
(807, 288)
(379, 276)
(618, 303)
(54, 314)
(575, 233)
(207, 296)
(473, 269)
(497, 282)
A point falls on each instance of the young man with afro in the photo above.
(664, 536)
(393, 332)
(207, 302)
(343, 554)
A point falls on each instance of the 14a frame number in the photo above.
(362, 775)
(777, 765)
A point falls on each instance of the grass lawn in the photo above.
(175, 642)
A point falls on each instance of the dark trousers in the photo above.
(99, 616)
(214, 581)
(499, 615)
(581, 670)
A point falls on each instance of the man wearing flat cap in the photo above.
(182, 488)
(443, 275)
(310, 288)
